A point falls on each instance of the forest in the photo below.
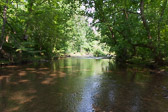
(131, 31)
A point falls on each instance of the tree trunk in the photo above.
(158, 55)
(4, 24)
(144, 19)
(161, 17)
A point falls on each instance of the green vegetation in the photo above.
(83, 39)
(35, 29)
(134, 30)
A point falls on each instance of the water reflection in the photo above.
(81, 85)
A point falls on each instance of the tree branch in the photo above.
(8, 24)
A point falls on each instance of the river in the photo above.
(81, 85)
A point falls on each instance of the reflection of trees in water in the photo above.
(3, 98)
(127, 97)
(152, 96)
(63, 85)
(52, 88)
(132, 91)
(116, 93)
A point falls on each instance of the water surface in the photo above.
(81, 85)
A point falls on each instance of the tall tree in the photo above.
(4, 17)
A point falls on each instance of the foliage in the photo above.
(35, 27)
(84, 39)
(133, 28)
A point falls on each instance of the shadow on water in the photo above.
(81, 85)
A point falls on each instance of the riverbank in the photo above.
(162, 70)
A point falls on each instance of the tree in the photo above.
(132, 28)
(4, 17)
(35, 27)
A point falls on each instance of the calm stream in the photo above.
(81, 85)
